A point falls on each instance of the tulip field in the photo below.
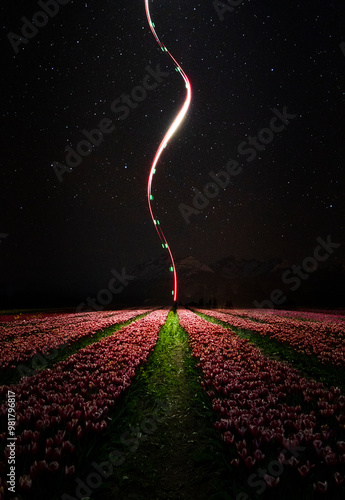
(323, 338)
(273, 419)
(280, 430)
(21, 340)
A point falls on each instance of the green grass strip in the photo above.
(41, 362)
(166, 389)
(308, 365)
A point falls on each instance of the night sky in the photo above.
(65, 235)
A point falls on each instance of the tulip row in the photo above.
(319, 315)
(322, 317)
(325, 341)
(52, 423)
(335, 322)
(46, 334)
(252, 397)
(21, 327)
(9, 318)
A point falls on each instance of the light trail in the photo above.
(172, 129)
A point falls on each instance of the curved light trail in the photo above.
(172, 129)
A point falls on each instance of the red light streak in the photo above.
(172, 129)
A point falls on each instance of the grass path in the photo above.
(170, 448)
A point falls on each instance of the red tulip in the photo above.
(69, 471)
(331, 459)
(338, 478)
(79, 432)
(271, 481)
(25, 483)
(305, 469)
(341, 446)
(53, 467)
(35, 448)
(228, 437)
(59, 437)
(57, 454)
(320, 487)
(42, 465)
(293, 462)
(49, 443)
(27, 435)
(249, 462)
(258, 455)
(317, 444)
(33, 470)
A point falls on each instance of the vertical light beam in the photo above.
(172, 129)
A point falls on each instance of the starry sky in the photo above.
(62, 230)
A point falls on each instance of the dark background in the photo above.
(64, 238)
